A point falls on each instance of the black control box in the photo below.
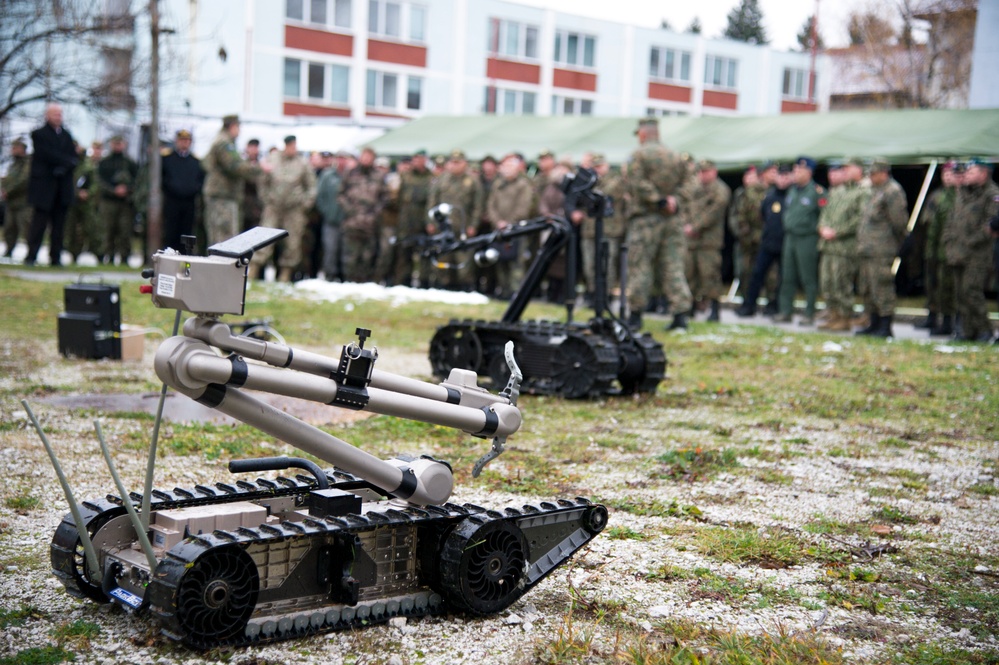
(91, 325)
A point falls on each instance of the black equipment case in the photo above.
(91, 325)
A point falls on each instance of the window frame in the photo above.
(520, 97)
(802, 76)
(680, 64)
(562, 42)
(503, 27)
(579, 106)
(330, 21)
(304, 94)
(403, 82)
(727, 69)
(406, 19)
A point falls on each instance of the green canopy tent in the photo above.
(902, 137)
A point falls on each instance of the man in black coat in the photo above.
(183, 179)
(51, 188)
(772, 241)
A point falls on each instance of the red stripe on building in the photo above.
(513, 71)
(318, 40)
(400, 54)
(797, 107)
(721, 100)
(379, 114)
(566, 78)
(297, 108)
(669, 93)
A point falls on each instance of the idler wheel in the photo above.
(455, 347)
(483, 566)
(217, 595)
(574, 368)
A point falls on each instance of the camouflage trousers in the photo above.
(360, 249)
(837, 275)
(82, 232)
(969, 293)
(878, 285)
(703, 270)
(117, 219)
(291, 220)
(940, 288)
(222, 218)
(656, 252)
(590, 262)
(16, 225)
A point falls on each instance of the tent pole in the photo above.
(916, 210)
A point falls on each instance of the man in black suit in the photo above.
(50, 190)
(183, 179)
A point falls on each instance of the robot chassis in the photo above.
(260, 560)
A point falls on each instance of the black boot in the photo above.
(745, 311)
(874, 325)
(714, 316)
(929, 323)
(945, 328)
(679, 322)
(635, 321)
(884, 327)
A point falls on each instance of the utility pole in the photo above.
(154, 214)
(815, 48)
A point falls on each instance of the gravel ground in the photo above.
(611, 570)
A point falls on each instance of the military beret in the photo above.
(420, 153)
(19, 141)
(229, 120)
(182, 134)
(880, 165)
(457, 155)
(291, 138)
(980, 161)
(546, 153)
(807, 162)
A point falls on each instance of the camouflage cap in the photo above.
(833, 164)
(182, 134)
(383, 162)
(767, 165)
(231, 119)
(488, 158)
(650, 121)
(597, 159)
(706, 165)
(440, 160)
(457, 155)
(854, 161)
(19, 141)
(546, 153)
(880, 165)
(117, 138)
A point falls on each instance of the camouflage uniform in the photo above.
(117, 213)
(363, 197)
(414, 192)
(939, 276)
(225, 173)
(82, 231)
(879, 235)
(386, 268)
(509, 201)
(287, 192)
(656, 244)
(968, 250)
(800, 256)
(464, 193)
(612, 185)
(706, 215)
(746, 224)
(15, 186)
(838, 269)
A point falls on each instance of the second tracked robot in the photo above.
(601, 356)
(250, 561)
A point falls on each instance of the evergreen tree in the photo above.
(805, 36)
(695, 26)
(745, 23)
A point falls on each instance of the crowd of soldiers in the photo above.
(361, 218)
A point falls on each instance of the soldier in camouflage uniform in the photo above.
(510, 200)
(460, 188)
(414, 192)
(117, 178)
(287, 190)
(838, 242)
(14, 191)
(879, 236)
(705, 231)
(386, 265)
(939, 277)
(746, 224)
(363, 196)
(225, 174)
(82, 232)
(800, 257)
(968, 248)
(656, 243)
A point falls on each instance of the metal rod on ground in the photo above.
(916, 209)
(147, 488)
(88, 546)
(140, 532)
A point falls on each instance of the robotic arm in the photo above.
(191, 364)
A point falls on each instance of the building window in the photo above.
(721, 72)
(394, 92)
(796, 84)
(571, 106)
(398, 20)
(663, 113)
(324, 82)
(500, 101)
(414, 93)
(512, 39)
(335, 13)
(669, 65)
(574, 49)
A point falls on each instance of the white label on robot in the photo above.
(126, 597)
(165, 285)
